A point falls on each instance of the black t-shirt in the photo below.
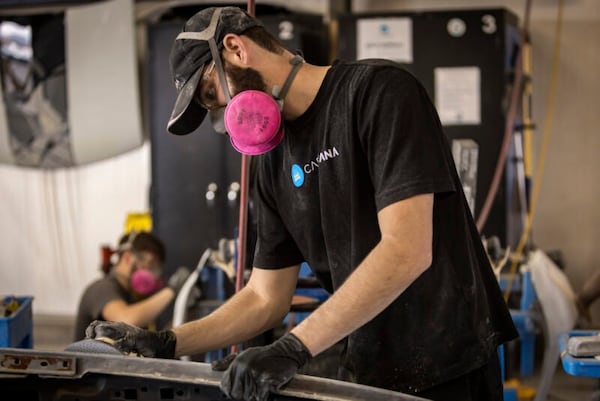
(95, 296)
(371, 138)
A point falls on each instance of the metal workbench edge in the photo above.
(64, 364)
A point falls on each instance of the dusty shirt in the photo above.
(371, 138)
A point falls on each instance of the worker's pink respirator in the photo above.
(144, 282)
(252, 118)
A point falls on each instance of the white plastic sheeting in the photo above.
(54, 221)
(102, 80)
(557, 299)
(554, 291)
(84, 109)
(52, 224)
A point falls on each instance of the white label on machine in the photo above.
(389, 38)
(458, 95)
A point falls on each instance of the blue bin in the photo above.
(16, 330)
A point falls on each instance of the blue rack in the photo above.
(16, 330)
(524, 319)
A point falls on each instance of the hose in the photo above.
(543, 151)
(510, 123)
(181, 301)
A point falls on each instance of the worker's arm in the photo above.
(401, 256)
(145, 312)
(141, 313)
(259, 306)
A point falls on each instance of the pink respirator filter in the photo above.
(253, 121)
(145, 282)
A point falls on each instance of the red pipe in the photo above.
(243, 218)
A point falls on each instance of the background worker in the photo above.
(362, 186)
(132, 290)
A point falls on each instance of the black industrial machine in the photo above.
(465, 58)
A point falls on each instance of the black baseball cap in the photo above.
(191, 51)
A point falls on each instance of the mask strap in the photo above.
(208, 35)
(296, 63)
(219, 66)
(128, 245)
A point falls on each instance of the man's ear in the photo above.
(235, 49)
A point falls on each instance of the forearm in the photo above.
(382, 276)
(145, 312)
(242, 317)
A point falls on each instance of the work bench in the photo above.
(61, 376)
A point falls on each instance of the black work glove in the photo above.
(258, 371)
(133, 340)
(178, 279)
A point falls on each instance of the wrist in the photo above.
(168, 343)
(294, 344)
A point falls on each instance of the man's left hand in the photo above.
(258, 371)
(134, 340)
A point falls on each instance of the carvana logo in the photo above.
(297, 175)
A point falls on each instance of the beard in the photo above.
(244, 79)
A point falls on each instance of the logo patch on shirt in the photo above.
(297, 175)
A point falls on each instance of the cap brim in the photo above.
(187, 115)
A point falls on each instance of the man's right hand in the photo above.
(131, 339)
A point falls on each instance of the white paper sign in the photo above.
(389, 38)
(458, 95)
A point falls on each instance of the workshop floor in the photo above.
(54, 334)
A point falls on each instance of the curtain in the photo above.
(53, 223)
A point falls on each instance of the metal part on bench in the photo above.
(49, 375)
(584, 346)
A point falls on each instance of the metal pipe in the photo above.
(243, 217)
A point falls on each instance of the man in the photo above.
(362, 186)
(132, 290)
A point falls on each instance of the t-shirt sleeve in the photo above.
(102, 293)
(275, 247)
(404, 142)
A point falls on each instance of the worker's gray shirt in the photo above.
(93, 299)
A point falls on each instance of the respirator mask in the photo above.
(145, 282)
(145, 277)
(252, 118)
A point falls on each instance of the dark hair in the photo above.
(136, 242)
(264, 39)
(143, 242)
